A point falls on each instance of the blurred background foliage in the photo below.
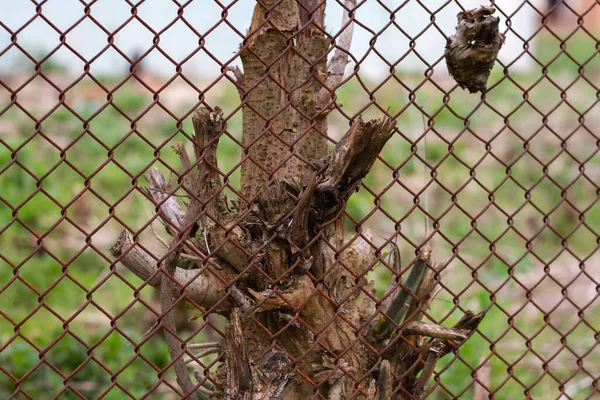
(495, 242)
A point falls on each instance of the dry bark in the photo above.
(283, 124)
(276, 266)
(239, 374)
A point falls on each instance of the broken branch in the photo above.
(239, 79)
(433, 356)
(169, 294)
(434, 331)
(349, 162)
(205, 290)
(438, 348)
(239, 374)
(207, 197)
(401, 303)
(190, 173)
(169, 209)
(337, 64)
(384, 381)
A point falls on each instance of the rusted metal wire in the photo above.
(545, 289)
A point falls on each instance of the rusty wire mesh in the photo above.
(511, 179)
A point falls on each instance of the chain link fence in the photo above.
(503, 185)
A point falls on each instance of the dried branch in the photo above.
(372, 390)
(239, 375)
(239, 79)
(337, 64)
(169, 294)
(169, 210)
(401, 303)
(434, 331)
(436, 352)
(202, 391)
(384, 381)
(208, 197)
(337, 384)
(204, 288)
(169, 290)
(427, 291)
(191, 174)
(348, 163)
(298, 234)
(395, 283)
(410, 358)
(148, 333)
(205, 196)
(201, 355)
(438, 348)
(207, 345)
(338, 175)
(206, 193)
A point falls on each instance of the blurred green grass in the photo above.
(487, 160)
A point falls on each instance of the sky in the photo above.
(86, 39)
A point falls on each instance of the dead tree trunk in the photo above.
(304, 322)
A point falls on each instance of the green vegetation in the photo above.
(487, 162)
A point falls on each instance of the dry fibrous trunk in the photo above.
(303, 320)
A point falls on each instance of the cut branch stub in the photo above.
(472, 51)
(349, 162)
(208, 204)
(239, 80)
(208, 127)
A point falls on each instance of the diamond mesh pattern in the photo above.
(511, 179)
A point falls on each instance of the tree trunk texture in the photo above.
(303, 320)
(284, 127)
